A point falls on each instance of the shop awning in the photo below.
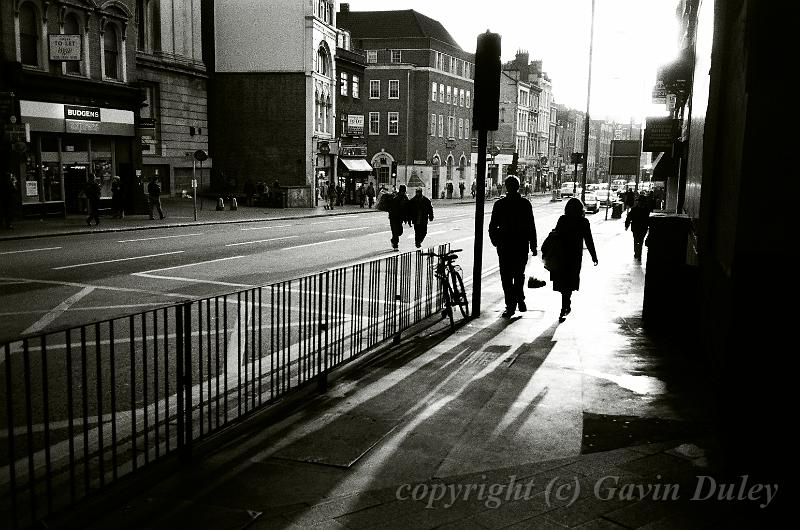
(356, 164)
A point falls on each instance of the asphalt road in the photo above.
(53, 283)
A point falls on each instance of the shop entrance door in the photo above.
(75, 177)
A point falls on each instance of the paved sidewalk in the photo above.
(521, 423)
(181, 212)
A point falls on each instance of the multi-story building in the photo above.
(173, 122)
(418, 88)
(272, 95)
(353, 169)
(68, 97)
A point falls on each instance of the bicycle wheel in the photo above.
(447, 294)
(459, 295)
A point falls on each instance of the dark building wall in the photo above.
(259, 127)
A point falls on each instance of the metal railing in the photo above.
(88, 405)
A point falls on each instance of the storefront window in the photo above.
(30, 189)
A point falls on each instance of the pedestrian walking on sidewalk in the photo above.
(93, 197)
(638, 219)
(421, 211)
(512, 231)
(154, 196)
(398, 215)
(473, 189)
(573, 231)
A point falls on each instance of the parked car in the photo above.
(590, 202)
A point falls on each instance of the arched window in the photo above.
(322, 61)
(72, 27)
(450, 165)
(111, 51)
(462, 163)
(29, 36)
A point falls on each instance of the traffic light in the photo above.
(513, 168)
(486, 103)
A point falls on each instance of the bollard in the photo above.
(220, 205)
(234, 205)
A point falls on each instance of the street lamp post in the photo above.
(586, 124)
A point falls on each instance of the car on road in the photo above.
(590, 202)
(604, 196)
(568, 189)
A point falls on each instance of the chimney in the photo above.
(344, 8)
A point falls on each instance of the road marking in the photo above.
(186, 265)
(116, 260)
(312, 244)
(259, 241)
(264, 227)
(348, 229)
(193, 280)
(57, 311)
(103, 287)
(28, 250)
(159, 237)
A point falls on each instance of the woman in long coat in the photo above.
(573, 230)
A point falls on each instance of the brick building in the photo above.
(418, 99)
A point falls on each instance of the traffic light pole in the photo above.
(480, 196)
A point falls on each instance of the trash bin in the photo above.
(669, 280)
(616, 210)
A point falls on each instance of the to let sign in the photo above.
(65, 47)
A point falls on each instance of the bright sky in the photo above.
(631, 39)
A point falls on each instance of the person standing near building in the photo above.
(461, 188)
(93, 197)
(420, 211)
(331, 195)
(371, 194)
(154, 196)
(116, 198)
(638, 219)
(512, 231)
(573, 231)
(473, 189)
(8, 199)
(398, 214)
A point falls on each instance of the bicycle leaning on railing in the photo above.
(449, 275)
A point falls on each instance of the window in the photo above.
(466, 129)
(441, 125)
(72, 27)
(394, 89)
(451, 127)
(343, 83)
(375, 89)
(468, 98)
(449, 95)
(441, 93)
(372, 56)
(148, 34)
(433, 91)
(394, 122)
(433, 124)
(111, 52)
(374, 123)
(355, 87)
(460, 128)
(396, 56)
(461, 97)
(29, 34)
(322, 61)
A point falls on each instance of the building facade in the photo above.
(69, 101)
(418, 100)
(272, 95)
(173, 121)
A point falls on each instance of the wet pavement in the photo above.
(520, 423)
